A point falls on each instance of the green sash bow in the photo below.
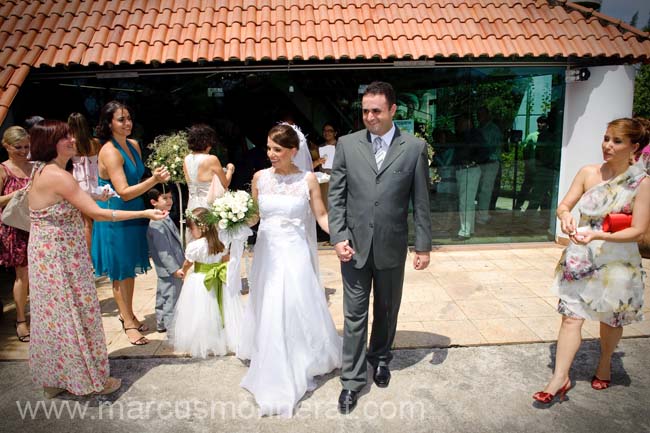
(215, 276)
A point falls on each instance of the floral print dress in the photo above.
(603, 281)
(13, 241)
(67, 348)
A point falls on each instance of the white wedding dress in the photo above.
(288, 333)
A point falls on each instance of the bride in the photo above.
(288, 335)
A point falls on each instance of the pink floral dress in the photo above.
(67, 348)
(603, 281)
(13, 241)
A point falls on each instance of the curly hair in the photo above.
(201, 136)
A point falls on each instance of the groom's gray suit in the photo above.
(369, 208)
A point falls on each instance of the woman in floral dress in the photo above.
(67, 349)
(14, 176)
(599, 276)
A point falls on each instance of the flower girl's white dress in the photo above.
(288, 333)
(197, 324)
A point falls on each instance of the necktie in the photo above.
(380, 151)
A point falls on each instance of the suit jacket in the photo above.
(165, 247)
(369, 207)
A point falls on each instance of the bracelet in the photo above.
(113, 212)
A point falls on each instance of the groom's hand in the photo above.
(421, 260)
(344, 251)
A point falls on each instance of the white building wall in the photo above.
(588, 107)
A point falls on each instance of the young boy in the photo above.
(166, 250)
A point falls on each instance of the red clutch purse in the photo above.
(615, 222)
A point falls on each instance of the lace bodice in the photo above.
(283, 198)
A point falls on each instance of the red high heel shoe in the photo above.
(599, 384)
(547, 397)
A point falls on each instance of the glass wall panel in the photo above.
(494, 133)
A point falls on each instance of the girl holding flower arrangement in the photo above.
(198, 326)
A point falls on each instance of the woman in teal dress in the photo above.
(599, 276)
(119, 249)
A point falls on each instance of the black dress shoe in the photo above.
(347, 401)
(381, 376)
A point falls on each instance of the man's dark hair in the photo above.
(382, 88)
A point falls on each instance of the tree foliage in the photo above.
(642, 92)
(641, 105)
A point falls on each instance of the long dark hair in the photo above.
(79, 127)
(103, 130)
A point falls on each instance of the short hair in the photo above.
(332, 125)
(103, 130)
(285, 136)
(44, 136)
(382, 88)
(201, 136)
(14, 135)
(542, 119)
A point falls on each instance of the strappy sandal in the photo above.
(21, 338)
(112, 384)
(142, 328)
(140, 341)
(599, 384)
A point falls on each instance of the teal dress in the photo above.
(119, 249)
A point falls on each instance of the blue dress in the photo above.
(119, 249)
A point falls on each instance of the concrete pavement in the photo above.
(462, 389)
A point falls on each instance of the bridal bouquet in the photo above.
(234, 209)
(169, 151)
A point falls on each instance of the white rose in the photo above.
(223, 224)
(241, 215)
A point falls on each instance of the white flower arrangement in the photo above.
(234, 209)
(169, 151)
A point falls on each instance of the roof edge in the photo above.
(589, 12)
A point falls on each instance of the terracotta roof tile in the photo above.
(98, 32)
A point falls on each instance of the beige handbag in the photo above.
(16, 212)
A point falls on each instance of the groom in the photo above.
(376, 172)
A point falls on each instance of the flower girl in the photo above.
(198, 326)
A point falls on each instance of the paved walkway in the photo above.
(453, 390)
(469, 296)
